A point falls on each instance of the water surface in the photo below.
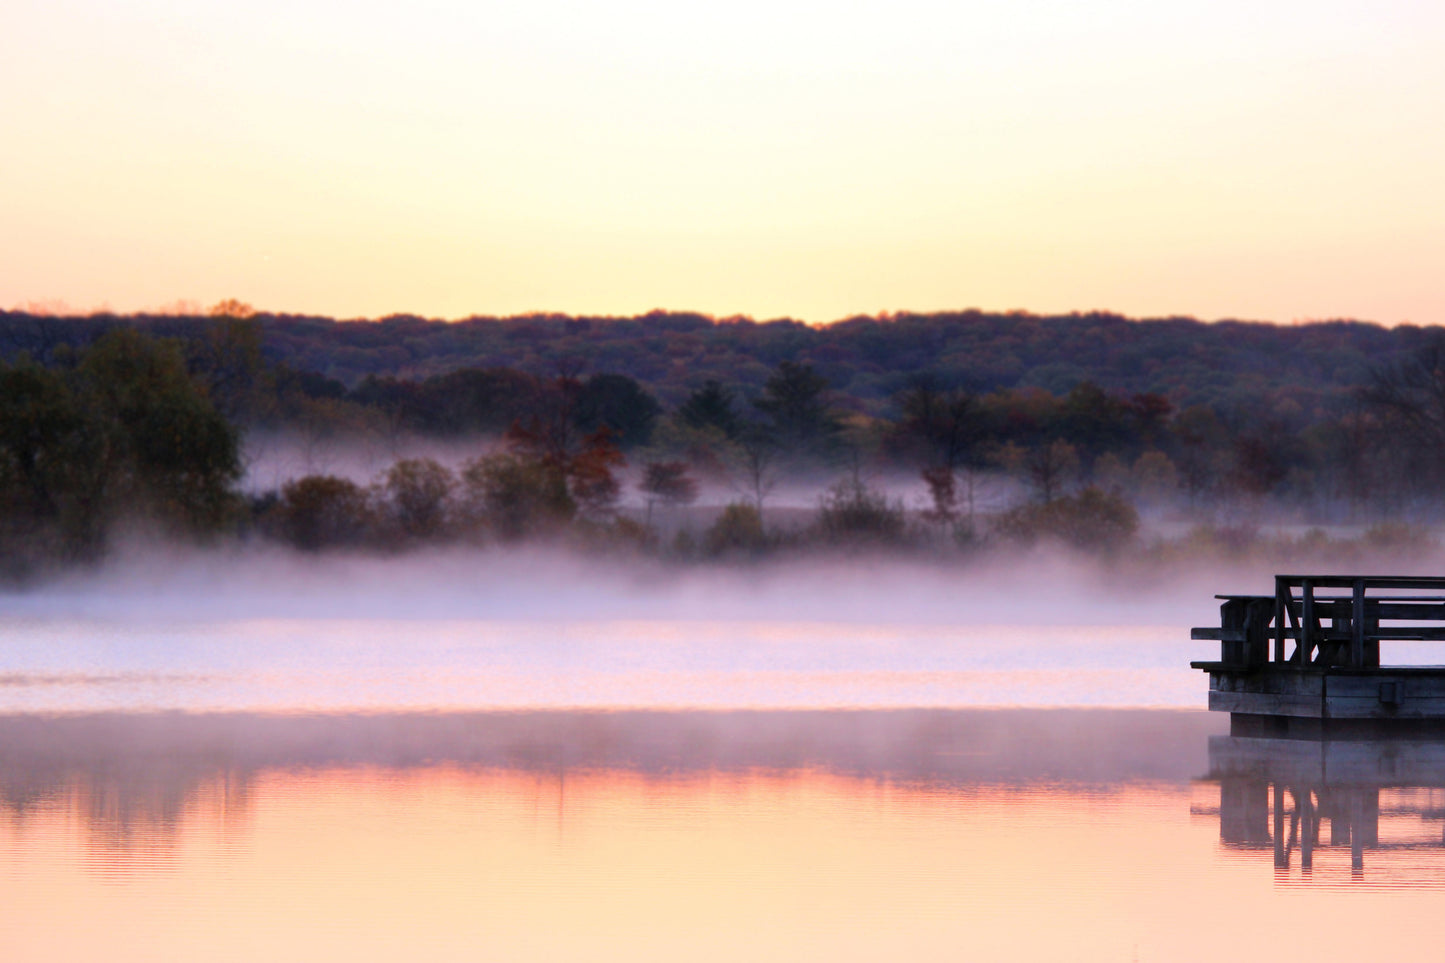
(307, 787)
(849, 835)
(285, 664)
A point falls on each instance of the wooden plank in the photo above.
(1279, 693)
(1357, 624)
(1418, 611)
(1429, 633)
(1385, 695)
(1417, 633)
(1218, 635)
(1371, 581)
(1266, 704)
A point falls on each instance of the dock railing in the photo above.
(1334, 620)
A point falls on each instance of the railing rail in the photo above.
(1328, 627)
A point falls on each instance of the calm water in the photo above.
(337, 664)
(776, 791)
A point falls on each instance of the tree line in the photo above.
(867, 360)
(125, 427)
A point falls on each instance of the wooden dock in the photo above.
(1308, 656)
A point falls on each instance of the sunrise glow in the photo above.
(1272, 161)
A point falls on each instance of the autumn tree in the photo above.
(583, 464)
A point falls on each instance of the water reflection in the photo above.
(1372, 807)
(632, 836)
(132, 778)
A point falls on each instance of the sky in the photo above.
(1267, 159)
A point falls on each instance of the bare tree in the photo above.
(1409, 395)
(755, 462)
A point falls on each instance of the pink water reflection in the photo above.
(650, 836)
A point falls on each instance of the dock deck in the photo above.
(1311, 651)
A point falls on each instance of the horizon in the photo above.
(193, 309)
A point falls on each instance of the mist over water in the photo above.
(270, 629)
(537, 583)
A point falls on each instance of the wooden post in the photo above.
(1357, 626)
(1280, 592)
(1232, 617)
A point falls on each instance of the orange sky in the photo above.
(1271, 160)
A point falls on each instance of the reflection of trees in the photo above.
(1300, 798)
(130, 781)
(135, 780)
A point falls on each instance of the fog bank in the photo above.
(257, 581)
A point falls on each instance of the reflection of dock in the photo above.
(1310, 653)
(1281, 794)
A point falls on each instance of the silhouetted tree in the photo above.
(1048, 468)
(160, 441)
(754, 469)
(795, 403)
(1409, 395)
(620, 404)
(945, 430)
(711, 406)
(42, 441)
(228, 361)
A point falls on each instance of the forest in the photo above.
(602, 432)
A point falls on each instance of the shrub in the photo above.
(321, 510)
(418, 490)
(852, 512)
(738, 529)
(1092, 520)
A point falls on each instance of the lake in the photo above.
(183, 788)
